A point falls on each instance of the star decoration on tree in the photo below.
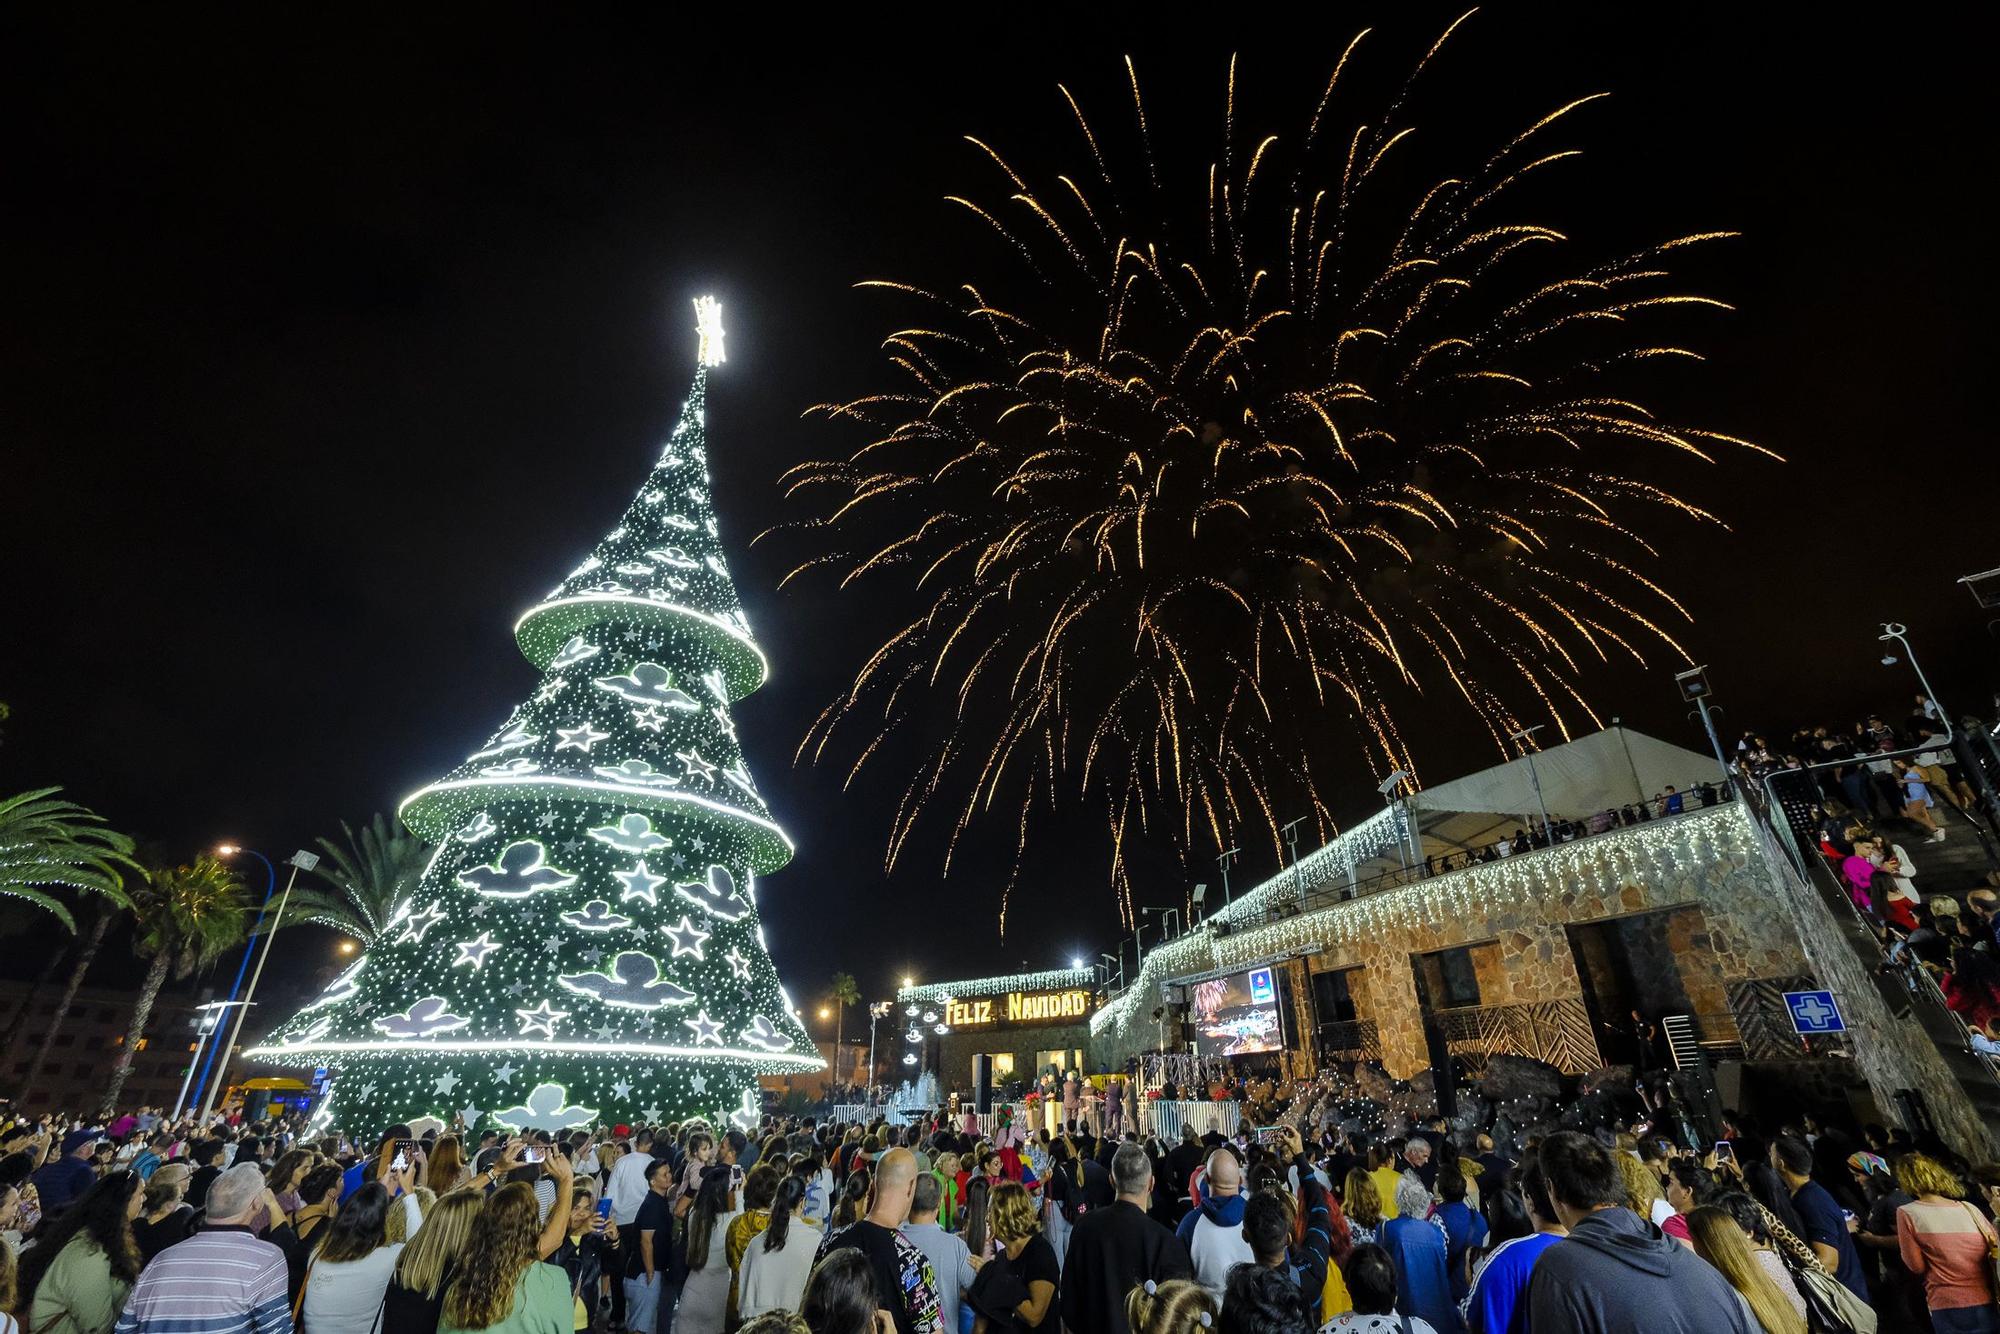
(579, 738)
(621, 1089)
(738, 965)
(417, 923)
(687, 937)
(698, 1083)
(446, 1082)
(724, 721)
(474, 952)
(640, 883)
(697, 767)
(705, 1029)
(505, 1073)
(542, 1019)
(651, 717)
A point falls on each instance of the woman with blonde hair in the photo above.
(501, 1284)
(403, 1223)
(415, 1297)
(1363, 1205)
(1947, 1243)
(1642, 1190)
(1026, 1254)
(1178, 1306)
(1720, 1241)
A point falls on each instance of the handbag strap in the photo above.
(299, 1302)
(1986, 1233)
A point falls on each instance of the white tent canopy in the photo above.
(1612, 768)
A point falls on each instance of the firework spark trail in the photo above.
(1217, 474)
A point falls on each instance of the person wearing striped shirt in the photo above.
(222, 1280)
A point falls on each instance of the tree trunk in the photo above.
(86, 954)
(839, 1031)
(9, 1043)
(142, 1010)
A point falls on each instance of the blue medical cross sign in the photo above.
(1814, 1012)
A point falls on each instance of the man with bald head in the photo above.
(1214, 1232)
(904, 1280)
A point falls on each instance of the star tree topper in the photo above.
(708, 324)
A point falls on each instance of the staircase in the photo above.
(1909, 993)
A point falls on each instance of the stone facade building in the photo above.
(1546, 953)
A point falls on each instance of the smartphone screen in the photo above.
(399, 1162)
(1723, 1149)
(604, 1207)
(533, 1154)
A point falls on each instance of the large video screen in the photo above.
(1237, 1015)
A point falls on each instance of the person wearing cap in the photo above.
(63, 1181)
(165, 1217)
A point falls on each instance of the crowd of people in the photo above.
(1878, 770)
(808, 1227)
(1877, 790)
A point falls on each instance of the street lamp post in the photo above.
(211, 1019)
(1533, 777)
(236, 987)
(1893, 630)
(1694, 687)
(298, 861)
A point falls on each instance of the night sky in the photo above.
(327, 350)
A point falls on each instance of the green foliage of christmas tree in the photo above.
(584, 945)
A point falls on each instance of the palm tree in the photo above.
(845, 993)
(86, 954)
(47, 844)
(188, 916)
(370, 879)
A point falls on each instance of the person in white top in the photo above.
(1214, 1232)
(628, 1180)
(346, 1281)
(704, 1302)
(780, 1258)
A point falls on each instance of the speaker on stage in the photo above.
(982, 1083)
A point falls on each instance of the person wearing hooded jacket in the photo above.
(1616, 1273)
(1214, 1232)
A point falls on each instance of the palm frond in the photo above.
(370, 877)
(47, 844)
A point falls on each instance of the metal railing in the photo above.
(1348, 1040)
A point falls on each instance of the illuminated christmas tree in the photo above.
(584, 945)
